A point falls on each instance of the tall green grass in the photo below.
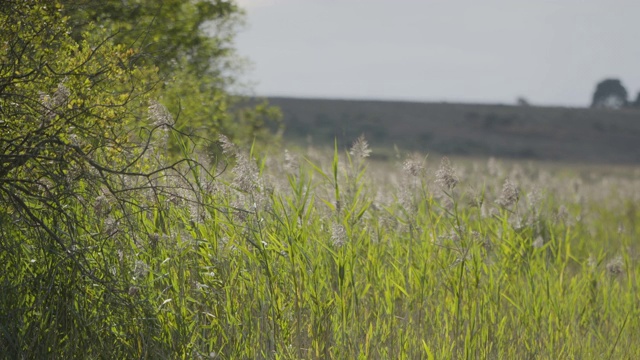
(334, 257)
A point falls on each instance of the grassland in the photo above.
(326, 254)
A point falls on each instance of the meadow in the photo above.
(131, 229)
(326, 254)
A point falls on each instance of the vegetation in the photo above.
(519, 132)
(124, 234)
(610, 93)
(190, 45)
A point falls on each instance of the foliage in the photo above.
(198, 34)
(191, 42)
(76, 146)
(610, 93)
(204, 113)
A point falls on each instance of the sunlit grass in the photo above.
(335, 257)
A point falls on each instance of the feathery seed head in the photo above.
(198, 213)
(562, 214)
(538, 242)
(534, 198)
(247, 177)
(615, 266)
(476, 199)
(159, 115)
(413, 166)
(509, 195)
(445, 176)
(360, 148)
(338, 235)
(228, 148)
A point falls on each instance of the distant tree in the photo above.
(637, 102)
(521, 101)
(609, 94)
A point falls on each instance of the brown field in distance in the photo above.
(577, 135)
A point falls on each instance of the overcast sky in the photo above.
(483, 51)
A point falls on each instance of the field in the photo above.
(321, 253)
(571, 135)
(148, 210)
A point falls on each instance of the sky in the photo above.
(475, 51)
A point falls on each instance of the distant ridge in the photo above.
(545, 133)
(413, 101)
